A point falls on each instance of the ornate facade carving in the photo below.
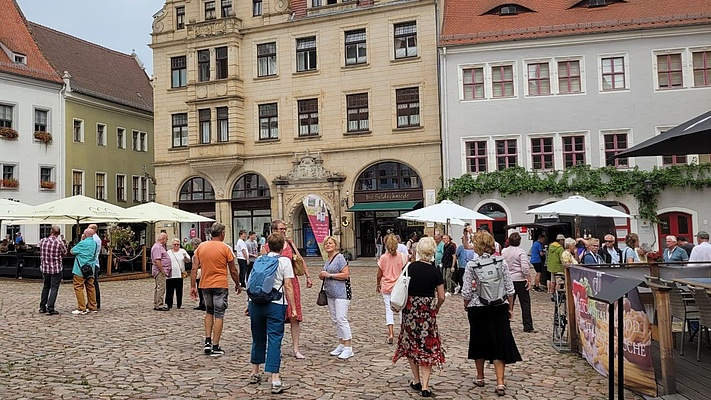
(214, 27)
(308, 168)
(158, 18)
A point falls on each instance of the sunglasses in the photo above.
(609, 241)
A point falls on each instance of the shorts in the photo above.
(538, 267)
(216, 301)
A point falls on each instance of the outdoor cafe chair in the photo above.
(703, 302)
(683, 307)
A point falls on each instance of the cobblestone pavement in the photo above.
(129, 351)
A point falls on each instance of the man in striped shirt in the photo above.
(52, 250)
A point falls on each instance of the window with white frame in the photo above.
(615, 142)
(256, 8)
(701, 62)
(135, 188)
(542, 155)
(268, 121)
(569, 77)
(77, 182)
(143, 141)
(41, 120)
(473, 83)
(573, 150)
(47, 181)
(678, 159)
(506, 153)
(180, 130)
(502, 81)
(135, 143)
(120, 187)
(144, 189)
(405, 39)
(78, 130)
(476, 156)
(5, 116)
(355, 49)
(407, 103)
(210, 10)
(180, 17)
(669, 71)
(100, 135)
(9, 172)
(539, 78)
(178, 72)
(308, 117)
(101, 186)
(613, 73)
(221, 63)
(306, 54)
(204, 117)
(226, 7)
(203, 71)
(121, 138)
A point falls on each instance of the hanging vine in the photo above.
(645, 186)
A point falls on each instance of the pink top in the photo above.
(517, 261)
(391, 266)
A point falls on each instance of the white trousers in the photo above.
(389, 316)
(339, 317)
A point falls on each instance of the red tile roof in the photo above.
(96, 71)
(15, 35)
(464, 21)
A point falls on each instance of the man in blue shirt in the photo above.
(674, 252)
(439, 252)
(537, 260)
(463, 256)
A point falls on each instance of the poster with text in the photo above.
(319, 219)
(592, 318)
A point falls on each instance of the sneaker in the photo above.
(278, 387)
(338, 350)
(42, 310)
(346, 353)
(52, 312)
(255, 379)
(80, 312)
(216, 351)
(207, 348)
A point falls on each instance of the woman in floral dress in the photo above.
(419, 339)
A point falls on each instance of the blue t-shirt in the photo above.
(335, 288)
(464, 256)
(536, 250)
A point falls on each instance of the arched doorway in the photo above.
(496, 227)
(251, 205)
(674, 223)
(382, 193)
(197, 196)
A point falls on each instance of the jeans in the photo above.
(339, 317)
(174, 286)
(96, 286)
(200, 294)
(50, 288)
(242, 271)
(216, 301)
(459, 277)
(267, 322)
(525, 301)
(159, 291)
(81, 284)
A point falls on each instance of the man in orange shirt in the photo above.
(215, 259)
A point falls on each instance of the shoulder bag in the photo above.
(87, 270)
(298, 264)
(322, 299)
(398, 296)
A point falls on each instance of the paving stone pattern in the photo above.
(129, 351)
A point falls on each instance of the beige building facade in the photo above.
(258, 104)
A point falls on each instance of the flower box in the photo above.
(8, 133)
(10, 183)
(44, 137)
(47, 185)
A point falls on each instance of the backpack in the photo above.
(260, 284)
(491, 287)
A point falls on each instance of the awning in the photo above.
(385, 206)
(539, 225)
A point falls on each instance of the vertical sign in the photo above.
(320, 223)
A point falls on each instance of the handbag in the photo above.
(87, 270)
(298, 262)
(398, 296)
(322, 299)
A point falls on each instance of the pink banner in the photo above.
(320, 222)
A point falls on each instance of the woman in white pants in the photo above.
(390, 266)
(337, 285)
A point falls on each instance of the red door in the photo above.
(674, 223)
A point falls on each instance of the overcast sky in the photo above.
(123, 25)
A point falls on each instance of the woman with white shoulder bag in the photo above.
(390, 266)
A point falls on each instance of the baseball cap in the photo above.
(702, 235)
(560, 237)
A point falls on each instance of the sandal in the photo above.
(299, 356)
(500, 390)
(416, 386)
(255, 379)
(426, 393)
(390, 340)
(479, 382)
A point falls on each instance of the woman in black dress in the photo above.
(491, 338)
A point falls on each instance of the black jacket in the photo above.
(606, 255)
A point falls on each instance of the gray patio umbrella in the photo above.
(691, 137)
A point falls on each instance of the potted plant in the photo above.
(10, 183)
(49, 185)
(42, 136)
(8, 133)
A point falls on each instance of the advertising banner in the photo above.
(592, 319)
(319, 220)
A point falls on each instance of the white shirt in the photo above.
(700, 252)
(242, 249)
(401, 248)
(177, 262)
(283, 271)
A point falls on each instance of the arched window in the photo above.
(196, 189)
(388, 176)
(251, 186)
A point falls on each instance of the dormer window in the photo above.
(596, 3)
(20, 59)
(509, 10)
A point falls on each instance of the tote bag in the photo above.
(398, 296)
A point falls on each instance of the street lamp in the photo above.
(344, 201)
(152, 196)
(647, 185)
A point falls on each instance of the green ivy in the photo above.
(585, 180)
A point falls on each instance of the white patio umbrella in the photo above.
(578, 206)
(445, 212)
(153, 212)
(78, 209)
(11, 208)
